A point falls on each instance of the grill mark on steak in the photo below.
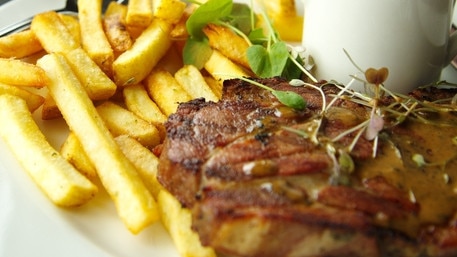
(256, 189)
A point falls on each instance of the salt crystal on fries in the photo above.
(133, 201)
(93, 37)
(19, 45)
(135, 64)
(33, 100)
(60, 181)
(121, 121)
(20, 73)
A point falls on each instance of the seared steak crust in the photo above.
(257, 187)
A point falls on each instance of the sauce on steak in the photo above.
(259, 184)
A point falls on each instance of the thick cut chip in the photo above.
(165, 90)
(135, 64)
(20, 73)
(52, 33)
(222, 68)
(121, 121)
(74, 153)
(33, 100)
(137, 100)
(50, 110)
(93, 37)
(19, 45)
(139, 13)
(169, 10)
(135, 204)
(190, 78)
(96, 83)
(115, 27)
(178, 221)
(62, 183)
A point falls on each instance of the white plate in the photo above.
(32, 226)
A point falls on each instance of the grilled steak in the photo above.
(263, 179)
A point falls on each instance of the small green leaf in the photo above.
(268, 63)
(257, 37)
(196, 52)
(291, 99)
(208, 12)
(240, 18)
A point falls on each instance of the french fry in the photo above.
(172, 61)
(133, 201)
(50, 110)
(143, 160)
(285, 19)
(72, 24)
(52, 33)
(135, 64)
(121, 121)
(50, 171)
(33, 100)
(20, 73)
(139, 13)
(74, 153)
(190, 78)
(96, 83)
(19, 45)
(137, 100)
(115, 27)
(178, 221)
(222, 68)
(169, 10)
(162, 87)
(215, 86)
(93, 37)
(228, 43)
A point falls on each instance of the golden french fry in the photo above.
(165, 91)
(135, 64)
(133, 201)
(20, 73)
(49, 170)
(19, 45)
(190, 78)
(138, 101)
(169, 10)
(72, 24)
(228, 43)
(215, 86)
(49, 109)
(172, 61)
(143, 160)
(96, 83)
(222, 68)
(33, 100)
(115, 27)
(139, 13)
(178, 222)
(52, 33)
(74, 153)
(93, 37)
(121, 121)
(285, 19)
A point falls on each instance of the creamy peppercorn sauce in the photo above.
(434, 184)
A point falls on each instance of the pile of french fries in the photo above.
(114, 77)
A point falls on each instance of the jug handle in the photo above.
(452, 47)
